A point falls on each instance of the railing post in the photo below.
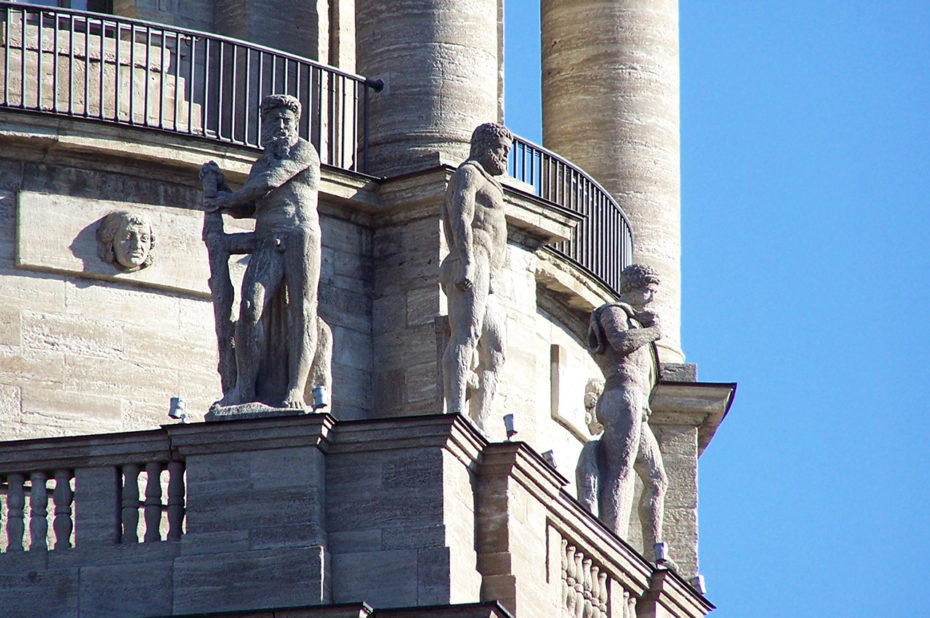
(38, 511)
(63, 497)
(130, 504)
(152, 502)
(16, 501)
(175, 500)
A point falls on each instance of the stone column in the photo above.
(439, 60)
(610, 105)
(300, 28)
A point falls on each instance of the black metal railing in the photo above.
(602, 243)
(126, 71)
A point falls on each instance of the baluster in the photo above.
(153, 502)
(564, 568)
(570, 580)
(631, 605)
(130, 503)
(587, 588)
(38, 511)
(15, 502)
(602, 594)
(579, 584)
(63, 497)
(175, 499)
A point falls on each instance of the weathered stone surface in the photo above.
(381, 578)
(126, 589)
(236, 581)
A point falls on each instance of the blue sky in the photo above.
(805, 186)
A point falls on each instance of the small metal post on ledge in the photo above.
(509, 426)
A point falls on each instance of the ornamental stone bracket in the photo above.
(702, 405)
(684, 417)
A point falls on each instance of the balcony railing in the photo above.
(148, 75)
(603, 242)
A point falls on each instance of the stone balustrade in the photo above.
(56, 504)
(302, 511)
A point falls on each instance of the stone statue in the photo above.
(476, 233)
(125, 240)
(278, 341)
(621, 338)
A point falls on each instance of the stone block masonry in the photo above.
(306, 511)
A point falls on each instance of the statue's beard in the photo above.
(498, 165)
(280, 146)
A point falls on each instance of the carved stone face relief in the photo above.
(125, 240)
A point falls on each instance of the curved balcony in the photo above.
(151, 76)
(131, 72)
(602, 244)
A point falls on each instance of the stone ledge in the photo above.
(699, 404)
(443, 430)
(570, 285)
(670, 595)
(64, 136)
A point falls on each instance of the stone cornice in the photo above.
(699, 404)
(438, 430)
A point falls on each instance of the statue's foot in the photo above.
(294, 399)
(231, 398)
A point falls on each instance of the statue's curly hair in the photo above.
(487, 134)
(274, 101)
(637, 276)
(106, 234)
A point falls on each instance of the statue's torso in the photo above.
(293, 205)
(634, 370)
(489, 225)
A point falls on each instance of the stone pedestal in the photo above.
(685, 416)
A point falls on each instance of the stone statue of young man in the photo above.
(620, 338)
(276, 335)
(476, 233)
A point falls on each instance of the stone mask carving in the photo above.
(125, 240)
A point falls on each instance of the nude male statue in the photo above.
(476, 233)
(620, 338)
(281, 194)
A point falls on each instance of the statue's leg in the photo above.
(655, 485)
(491, 359)
(619, 410)
(302, 259)
(586, 476)
(262, 278)
(321, 373)
(465, 328)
